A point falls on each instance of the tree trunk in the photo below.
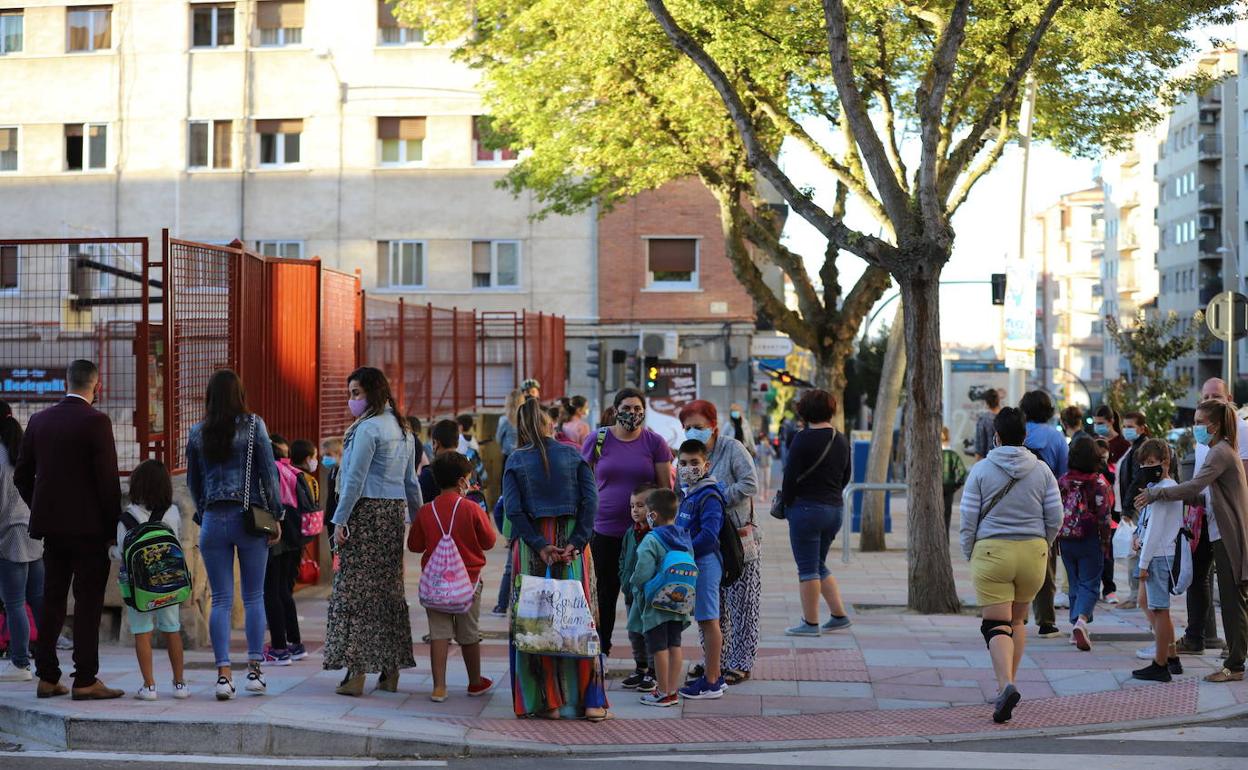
(885, 415)
(931, 586)
(830, 376)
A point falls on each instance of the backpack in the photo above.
(731, 552)
(1078, 520)
(674, 586)
(1181, 568)
(954, 471)
(444, 584)
(311, 522)
(154, 572)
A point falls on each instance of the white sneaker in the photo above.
(181, 691)
(255, 681)
(1147, 653)
(225, 688)
(1061, 601)
(14, 673)
(146, 692)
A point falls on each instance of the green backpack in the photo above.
(153, 565)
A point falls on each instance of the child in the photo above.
(303, 458)
(331, 457)
(283, 567)
(642, 678)
(1160, 522)
(661, 628)
(151, 498)
(1087, 500)
(701, 515)
(473, 533)
(505, 585)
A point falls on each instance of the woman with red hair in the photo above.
(733, 467)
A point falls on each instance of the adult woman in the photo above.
(1107, 425)
(1087, 501)
(624, 456)
(367, 626)
(815, 475)
(1217, 427)
(505, 433)
(574, 425)
(551, 502)
(733, 468)
(1011, 512)
(21, 558)
(229, 467)
(738, 426)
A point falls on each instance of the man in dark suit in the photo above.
(67, 473)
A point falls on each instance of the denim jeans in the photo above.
(812, 527)
(1084, 562)
(220, 536)
(21, 583)
(505, 585)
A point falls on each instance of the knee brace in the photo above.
(991, 628)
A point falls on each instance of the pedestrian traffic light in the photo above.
(593, 360)
(652, 372)
(632, 364)
(998, 288)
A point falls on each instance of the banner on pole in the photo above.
(1020, 315)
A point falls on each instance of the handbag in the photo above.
(257, 519)
(777, 502)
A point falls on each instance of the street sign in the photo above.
(1020, 315)
(1227, 316)
(771, 347)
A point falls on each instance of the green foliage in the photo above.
(1149, 346)
(862, 373)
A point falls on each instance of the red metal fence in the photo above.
(513, 347)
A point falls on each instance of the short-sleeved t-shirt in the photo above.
(623, 466)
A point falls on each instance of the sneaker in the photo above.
(836, 624)
(648, 684)
(146, 692)
(1174, 666)
(634, 680)
(704, 690)
(486, 685)
(659, 700)
(225, 688)
(277, 656)
(1061, 601)
(14, 673)
(297, 652)
(1081, 635)
(804, 629)
(1225, 675)
(1111, 598)
(696, 671)
(63, 643)
(1049, 632)
(1152, 673)
(1003, 708)
(181, 691)
(499, 611)
(1146, 653)
(255, 680)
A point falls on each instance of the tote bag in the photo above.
(552, 617)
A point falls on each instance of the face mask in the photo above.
(329, 462)
(689, 475)
(358, 406)
(699, 434)
(1201, 434)
(312, 465)
(1130, 434)
(735, 414)
(630, 420)
(1101, 429)
(1150, 474)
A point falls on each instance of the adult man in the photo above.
(1201, 629)
(983, 426)
(67, 473)
(1072, 423)
(1047, 443)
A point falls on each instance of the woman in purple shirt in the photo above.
(623, 456)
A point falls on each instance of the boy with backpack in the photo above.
(453, 533)
(1160, 524)
(642, 679)
(153, 572)
(664, 589)
(702, 517)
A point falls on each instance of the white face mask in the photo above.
(312, 465)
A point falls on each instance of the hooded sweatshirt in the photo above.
(702, 515)
(1031, 509)
(650, 553)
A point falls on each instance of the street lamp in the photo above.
(1228, 293)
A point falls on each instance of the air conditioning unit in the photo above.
(665, 345)
(1207, 222)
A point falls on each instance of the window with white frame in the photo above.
(89, 28)
(401, 264)
(482, 153)
(672, 263)
(86, 146)
(208, 143)
(279, 141)
(8, 268)
(283, 249)
(400, 141)
(212, 25)
(495, 264)
(391, 31)
(8, 148)
(12, 24)
(280, 22)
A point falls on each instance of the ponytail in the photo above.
(1223, 417)
(531, 429)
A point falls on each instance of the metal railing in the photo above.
(862, 486)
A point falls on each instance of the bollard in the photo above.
(862, 487)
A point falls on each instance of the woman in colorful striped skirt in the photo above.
(550, 499)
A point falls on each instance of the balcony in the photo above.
(1214, 349)
(1209, 147)
(1210, 196)
(1128, 238)
(1210, 100)
(1129, 203)
(1130, 158)
(1209, 245)
(1209, 291)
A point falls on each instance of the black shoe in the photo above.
(634, 680)
(1006, 701)
(1048, 632)
(647, 683)
(695, 673)
(1152, 673)
(1174, 667)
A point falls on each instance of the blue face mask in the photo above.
(1101, 429)
(1130, 434)
(329, 462)
(699, 434)
(1201, 434)
(735, 414)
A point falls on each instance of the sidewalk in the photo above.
(893, 677)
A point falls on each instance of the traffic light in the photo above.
(632, 365)
(998, 288)
(652, 372)
(786, 378)
(593, 360)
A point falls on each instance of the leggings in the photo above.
(606, 550)
(279, 599)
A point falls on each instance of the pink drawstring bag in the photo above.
(444, 584)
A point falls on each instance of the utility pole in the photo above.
(1018, 375)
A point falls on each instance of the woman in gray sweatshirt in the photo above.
(1011, 512)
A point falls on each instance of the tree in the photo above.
(862, 374)
(1149, 346)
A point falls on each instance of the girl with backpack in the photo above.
(151, 500)
(1087, 501)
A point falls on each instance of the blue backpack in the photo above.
(673, 587)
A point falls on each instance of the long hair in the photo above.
(514, 398)
(377, 393)
(224, 403)
(1223, 419)
(10, 436)
(151, 487)
(531, 427)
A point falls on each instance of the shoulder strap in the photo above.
(450, 527)
(599, 442)
(251, 454)
(128, 520)
(992, 503)
(822, 456)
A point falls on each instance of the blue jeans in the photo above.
(1084, 561)
(220, 536)
(21, 583)
(812, 527)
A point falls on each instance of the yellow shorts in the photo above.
(464, 629)
(1008, 570)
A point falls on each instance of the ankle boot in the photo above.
(352, 684)
(389, 681)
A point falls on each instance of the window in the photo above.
(212, 26)
(8, 149)
(495, 264)
(89, 29)
(483, 154)
(280, 22)
(208, 145)
(11, 23)
(279, 141)
(672, 263)
(400, 140)
(401, 264)
(390, 31)
(86, 146)
(284, 249)
(8, 268)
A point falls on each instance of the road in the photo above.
(1215, 746)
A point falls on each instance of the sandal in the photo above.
(732, 676)
(597, 715)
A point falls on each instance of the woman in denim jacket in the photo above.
(216, 473)
(551, 500)
(367, 628)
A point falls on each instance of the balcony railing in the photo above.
(1209, 146)
(1128, 238)
(1210, 195)
(1209, 246)
(1208, 292)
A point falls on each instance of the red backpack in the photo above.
(1078, 519)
